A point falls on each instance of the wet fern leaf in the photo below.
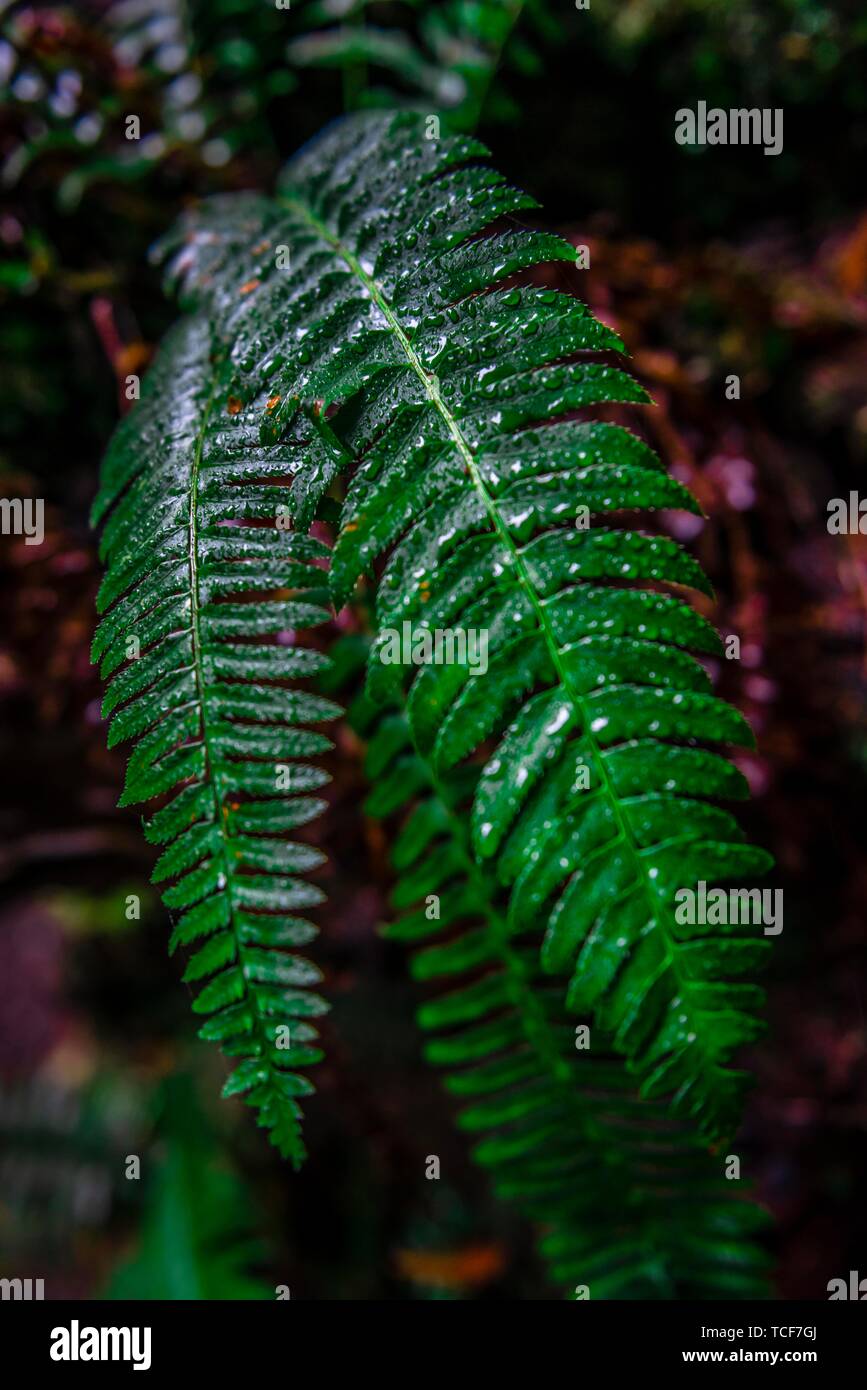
(201, 605)
(629, 1201)
(497, 508)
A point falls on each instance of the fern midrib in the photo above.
(211, 772)
(536, 1026)
(431, 387)
(537, 1030)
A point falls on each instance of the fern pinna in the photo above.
(202, 595)
(457, 395)
(629, 1202)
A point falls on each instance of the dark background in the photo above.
(709, 262)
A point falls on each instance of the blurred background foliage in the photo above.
(709, 262)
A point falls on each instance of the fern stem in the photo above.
(537, 1028)
(220, 810)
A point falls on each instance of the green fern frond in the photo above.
(458, 397)
(201, 599)
(630, 1204)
